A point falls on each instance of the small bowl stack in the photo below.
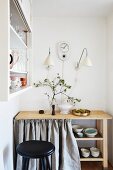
(95, 152)
(85, 152)
(78, 130)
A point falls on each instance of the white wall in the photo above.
(90, 86)
(110, 82)
(7, 112)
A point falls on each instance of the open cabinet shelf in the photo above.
(14, 37)
(91, 159)
(84, 138)
(19, 91)
(15, 48)
(18, 72)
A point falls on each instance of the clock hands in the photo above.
(64, 46)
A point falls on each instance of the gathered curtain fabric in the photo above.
(58, 132)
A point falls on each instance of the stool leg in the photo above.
(48, 164)
(25, 163)
(43, 164)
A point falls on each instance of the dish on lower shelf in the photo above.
(90, 132)
(95, 152)
(85, 152)
(81, 112)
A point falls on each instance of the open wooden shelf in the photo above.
(97, 137)
(91, 158)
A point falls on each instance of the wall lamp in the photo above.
(83, 61)
(48, 61)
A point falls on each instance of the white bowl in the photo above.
(95, 152)
(65, 108)
(85, 152)
(77, 128)
(90, 132)
(80, 134)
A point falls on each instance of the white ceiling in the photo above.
(71, 8)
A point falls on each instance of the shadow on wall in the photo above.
(5, 158)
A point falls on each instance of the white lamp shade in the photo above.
(48, 61)
(86, 62)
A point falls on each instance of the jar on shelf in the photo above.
(23, 81)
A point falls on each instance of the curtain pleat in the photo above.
(43, 130)
(37, 123)
(30, 135)
(70, 159)
(55, 141)
(20, 138)
(59, 132)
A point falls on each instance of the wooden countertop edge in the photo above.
(95, 114)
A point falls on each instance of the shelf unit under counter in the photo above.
(101, 118)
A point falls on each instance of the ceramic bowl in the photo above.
(77, 128)
(90, 132)
(95, 152)
(85, 152)
(80, 134)
(65, 108)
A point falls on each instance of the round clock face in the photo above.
(64, 47)
(63, 50)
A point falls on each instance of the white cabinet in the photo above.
(15, 43)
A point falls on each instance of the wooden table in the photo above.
(101, 118)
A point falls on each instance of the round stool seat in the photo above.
(35, 149)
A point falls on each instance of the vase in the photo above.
(65, 108)
(53, 109)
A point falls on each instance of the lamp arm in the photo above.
(85, 49)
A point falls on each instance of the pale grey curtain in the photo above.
(59, 132)
(69, 150)
(19, 137)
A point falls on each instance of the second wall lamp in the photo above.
(84, 60)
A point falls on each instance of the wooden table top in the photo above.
(95, 114)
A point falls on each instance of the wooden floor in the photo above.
(94, 166)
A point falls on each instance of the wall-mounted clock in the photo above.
(63, 50)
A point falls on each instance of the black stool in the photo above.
(35, 149)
